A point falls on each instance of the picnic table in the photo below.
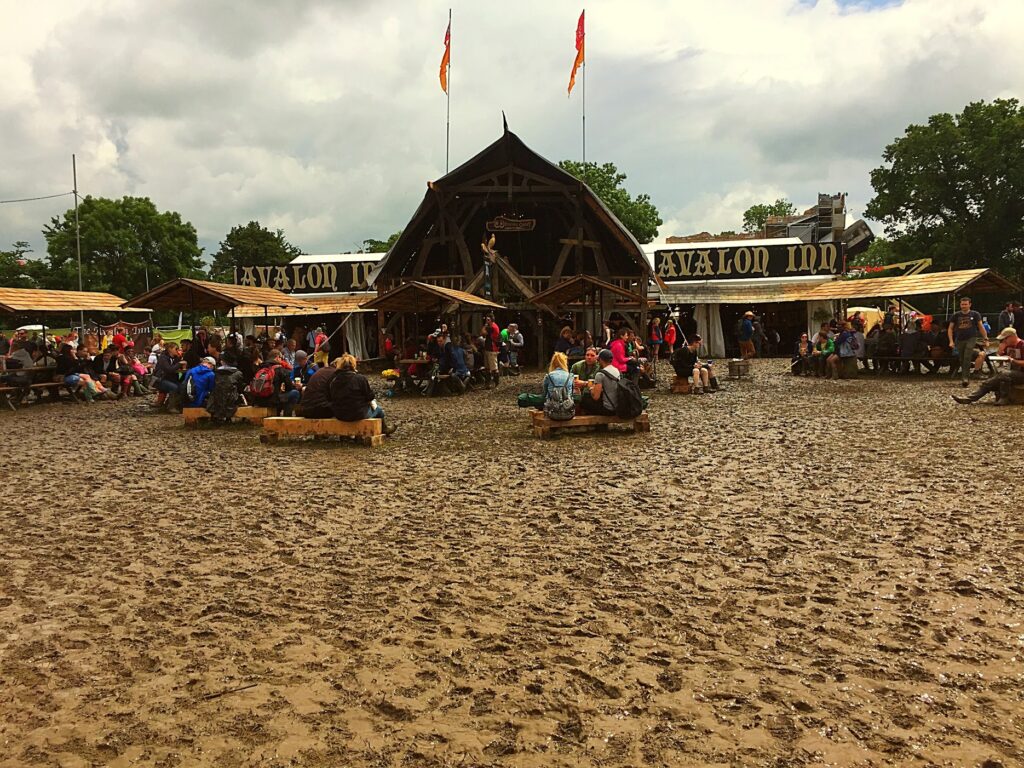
(16, 383)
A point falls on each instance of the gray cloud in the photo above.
(326, 118)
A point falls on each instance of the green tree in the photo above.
(125, 243)
(18, 270)
(878, 254)
(756, 216)
(380, 246)
(248, 246)
(953, 189)
(637, 214)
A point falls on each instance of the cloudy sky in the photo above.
(325, 118)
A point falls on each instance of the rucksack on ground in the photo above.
(263, 382)
(630, 403)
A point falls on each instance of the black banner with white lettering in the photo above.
(340, 277)
(748, 261)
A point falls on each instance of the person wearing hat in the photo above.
(198, 383)
(604, 389)
(1012, 346)
(746, 336)
(302, 369)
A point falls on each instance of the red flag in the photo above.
(446, 59)
(579, 52)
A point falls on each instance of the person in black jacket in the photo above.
(284, 396)
(351, 396)
(316, 395)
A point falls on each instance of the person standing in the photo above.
(1018, 317)
(515, 346)
(746, 335)
(492, 345)
(670, 336)
(963, 331)
(1006, 318)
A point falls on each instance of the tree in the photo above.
(17, 270)
(878, 254)
(637, 214)
(953, 189)
(125, 244)
(380, 246)
(248, 246)
(756, 216)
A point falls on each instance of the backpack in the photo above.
(559, 405)
(263, 382)
(630, 403)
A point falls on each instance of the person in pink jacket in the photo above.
(618, 347)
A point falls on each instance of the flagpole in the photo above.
(448, 99)
(584, 89)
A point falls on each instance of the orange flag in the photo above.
(579, 52)
(446, 59)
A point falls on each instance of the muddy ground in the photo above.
(790, 572)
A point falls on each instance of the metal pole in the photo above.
(448, 96)
(584, 88)
(78, 239)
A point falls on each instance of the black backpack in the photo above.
(630, 404)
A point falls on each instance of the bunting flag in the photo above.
(446, 59)
(579, 52)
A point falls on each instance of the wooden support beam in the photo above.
(556, 274)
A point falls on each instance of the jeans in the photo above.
(167, 386)
(964, 349)
(72, 380)
(287, 402)
(375, 413)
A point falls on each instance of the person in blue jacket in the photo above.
(303, 369)
(198, 383)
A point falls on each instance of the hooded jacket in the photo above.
(202, 385)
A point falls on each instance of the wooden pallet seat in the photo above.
(368, 431)
(543, 427)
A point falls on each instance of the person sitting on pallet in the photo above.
(1011, 345)
(351, 396)
(165, 375)
(687, 363)
(559, 387)
(453, 364)
(604, 388)
(316, 395)
(271, 385)
(302, 370)
(227, 380)
(69, 371)
(198, 383)
(585, 370)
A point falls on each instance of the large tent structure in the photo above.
(508, 224)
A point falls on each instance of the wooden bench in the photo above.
(680, 385)
(8, 393)
(368, 431)
(251, 413)
(543, 426)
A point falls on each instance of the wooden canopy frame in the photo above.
(415, 296)
(15, 301)
(578, 288)
(954, 282)
(188, 293)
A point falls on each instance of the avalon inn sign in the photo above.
(344, 277)
(805, 259)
